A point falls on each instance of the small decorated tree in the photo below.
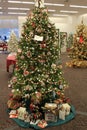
(78, 51)
(13, 43)
(69, 41)
(38, 84)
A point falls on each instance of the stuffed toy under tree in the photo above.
(78, 51)
(37, 84)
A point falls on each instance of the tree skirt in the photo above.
(59, 122)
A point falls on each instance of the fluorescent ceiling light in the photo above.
(14, 1)
(16, 13)
(66, 11)
(53, 4)
(24, 2)
(60, 15)
(50, 10)
(28, 2)
(78, 6)
(18, 8)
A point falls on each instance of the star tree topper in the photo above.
(39, 3)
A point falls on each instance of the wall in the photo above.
(8, 22)
(21, 20)
(65, 24)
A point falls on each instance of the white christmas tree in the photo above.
(12, 43)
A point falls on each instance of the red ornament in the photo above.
(81, 39)
(26, 72)
(33, 25)
(42, 45)
(32, 106)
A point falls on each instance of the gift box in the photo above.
(51, 106)
(21, 113)
(13, 114)
(64, 111)
(50, 117)
(51, 110)
(42, 124)
(62, 114)
(67, 108)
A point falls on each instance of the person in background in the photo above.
(1, 39)
(5, 39)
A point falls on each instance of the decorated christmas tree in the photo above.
(78, 51)
(13, 43)
(38, 84)
(69, 41)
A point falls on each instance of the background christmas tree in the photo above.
(38, 78)
(69, 41)
(13, 43)
(78, 51)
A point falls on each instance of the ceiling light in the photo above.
(18, 8)
(63, 15)
(24, 2)
(78, 6)
(66, 11)
(0, 7)
(50, 10)
(14, 1)
(53, 4)
(28, 2)
(16, 13)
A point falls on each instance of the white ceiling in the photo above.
(5, 4)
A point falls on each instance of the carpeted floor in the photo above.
(77, 80)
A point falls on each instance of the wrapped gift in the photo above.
(42, 124)
(51, 112)
(62, 114)
(50, 116)
(21, 113)
(13, 114)
(51, 106)
(66, 107)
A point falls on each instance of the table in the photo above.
(11, 60)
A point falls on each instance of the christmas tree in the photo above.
(78, 51)
(69, 41)
(37, 83)
(13, 43)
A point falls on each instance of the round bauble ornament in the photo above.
(77, 38)
(43, 45)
